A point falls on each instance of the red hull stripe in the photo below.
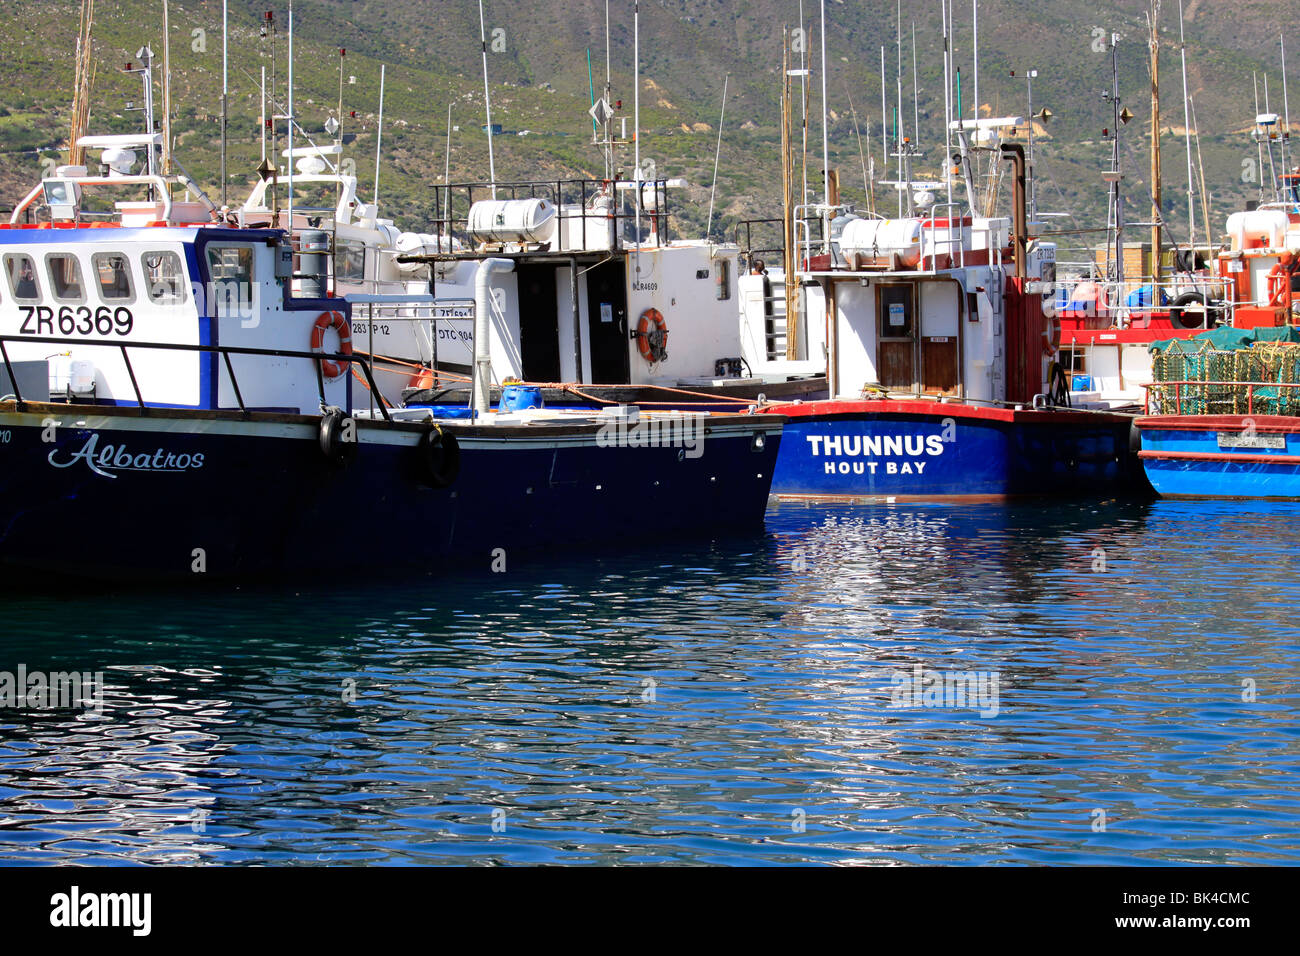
(955, 410)
(1284, 424)
(1223, 456)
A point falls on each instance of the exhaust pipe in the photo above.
(482, 390)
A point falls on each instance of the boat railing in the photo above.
(372, 312)
(224, 351)
(1216, 293)
(770, 244)
(590, 214)
(954, 225)
(1202, 397)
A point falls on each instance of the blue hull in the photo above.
(181, 495)
(1222, 456)
(888, 450)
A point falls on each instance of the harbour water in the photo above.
(1136, 673)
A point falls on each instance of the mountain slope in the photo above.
(538, 66)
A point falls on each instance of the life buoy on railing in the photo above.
(652, 336)
(1052, 335)
(336, 321)
(1279, 281)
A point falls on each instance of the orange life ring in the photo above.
(336, 321)
(1052, 335)
(1279, 282)
(652, 336)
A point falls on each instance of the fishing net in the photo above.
(1198, 376)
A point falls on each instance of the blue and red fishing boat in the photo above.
(1222, 456)
(943, 367)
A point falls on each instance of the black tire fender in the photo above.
(337, 436)
(439, 457)
(1179, 317)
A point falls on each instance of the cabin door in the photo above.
(896, 336)
(940, 327)
(539, 324)
(607, 325)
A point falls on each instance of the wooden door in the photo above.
(896, 336)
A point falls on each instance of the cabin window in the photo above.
(65, 277)
(164, 277)
(723, 269)
(349, 261)
(230, 270)
(230, 264)
(896, 316)
(23, 283)
(114, 276)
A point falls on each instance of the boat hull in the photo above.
(173, 494)
(919, 449)
(1222, 456)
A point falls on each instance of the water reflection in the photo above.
(728, 703)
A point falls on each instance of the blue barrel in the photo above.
(516, 398)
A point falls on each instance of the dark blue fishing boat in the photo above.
(179, 401)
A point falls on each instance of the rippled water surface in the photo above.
(726, 702)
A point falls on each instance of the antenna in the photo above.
(1259, 141)
(610, 172)
(289, 110)
(916, 96)
(803, 88)
(947, 99)
(884, 114)
(262, 115)
(1268, 138)
(718, 155)
(446, 176)
(867, 182)
(487, 104)
(379, 136)
(342, 54)
(1187, 139)
(1157, 216)
(826, 142)
(636, 121)
(225, 91)
(1286, 109)
(167, 93)
(975, 69)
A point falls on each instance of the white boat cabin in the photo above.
(588, 302)
(84, 287)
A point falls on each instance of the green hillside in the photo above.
(539, 75)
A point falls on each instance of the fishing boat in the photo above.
(942, 366)
(179, 402)
(320, 205)
(603, 304)
(1224, 414)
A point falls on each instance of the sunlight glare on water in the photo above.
(727, 702)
